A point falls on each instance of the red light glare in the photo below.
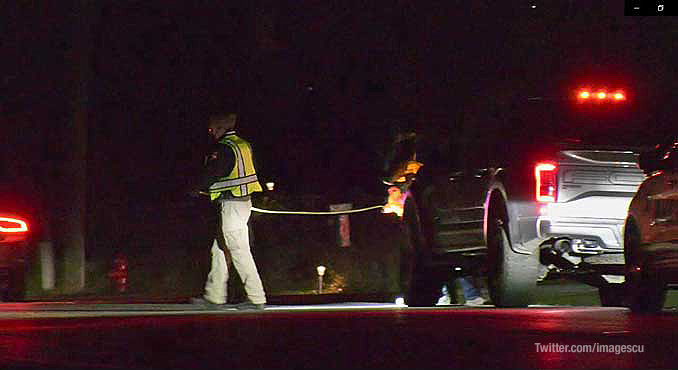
(600, 94)
(12, 225)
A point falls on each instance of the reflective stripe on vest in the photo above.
(242, 180)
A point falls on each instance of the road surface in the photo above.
(341, 335)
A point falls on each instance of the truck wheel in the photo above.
(646, 295)
(613, 295)
(512, 277)
(416, 277)
(424, 290)
(646, 292)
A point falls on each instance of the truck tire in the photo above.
(646, 293)
(418, 283)
(613, 295)
(512, 277)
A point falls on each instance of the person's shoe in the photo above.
(248, 305)
(478, 301)
(544, 272)
(202, 301)
(444, 301)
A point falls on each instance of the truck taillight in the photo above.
(545, 176)
(12, 225)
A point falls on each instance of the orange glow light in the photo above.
(619, 96)
(396, 202)
(584, 95)
(601, 95)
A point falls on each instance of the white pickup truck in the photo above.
(583, 226)
(518, 200)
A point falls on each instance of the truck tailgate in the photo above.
(597, 173)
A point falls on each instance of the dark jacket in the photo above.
(219, 162)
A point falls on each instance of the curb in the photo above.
(292, 299)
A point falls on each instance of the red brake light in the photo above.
(601, 95)
(12, 225)
(545, 176)
(619, 96)
(584, 95)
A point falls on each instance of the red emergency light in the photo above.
(600, 95)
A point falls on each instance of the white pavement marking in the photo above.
(32, 310)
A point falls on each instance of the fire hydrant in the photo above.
(118, 273)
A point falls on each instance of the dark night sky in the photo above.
(318, 85)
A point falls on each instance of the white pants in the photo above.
(234, 217)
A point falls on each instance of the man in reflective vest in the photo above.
(230, 178)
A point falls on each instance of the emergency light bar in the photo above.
(600, 95)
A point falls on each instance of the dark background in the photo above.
(320, 86)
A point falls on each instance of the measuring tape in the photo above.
(269, 211)
(254, 209)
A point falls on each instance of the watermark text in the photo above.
(590, 348)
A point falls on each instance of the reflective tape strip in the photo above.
(234, 182)
(240, 164)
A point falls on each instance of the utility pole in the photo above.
(73, 184)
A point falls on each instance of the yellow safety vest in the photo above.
(242, 181)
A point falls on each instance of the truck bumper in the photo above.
(588, 236)
(594, 224)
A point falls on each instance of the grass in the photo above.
(168, 254)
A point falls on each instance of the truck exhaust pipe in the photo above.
(551, 253)
(563, 245)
